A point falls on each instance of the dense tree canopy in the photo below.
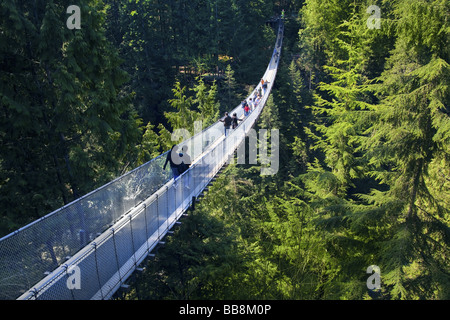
(363, 115)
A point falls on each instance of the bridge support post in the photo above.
(83, 238)
(193, 203)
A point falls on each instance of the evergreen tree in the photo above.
(229, 93)
(408, 145)
(206, 102)
(340, 114)
(67, 125)
(391, 146)
(203, 106)
(138, 30)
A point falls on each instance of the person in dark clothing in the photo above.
(185, 160)
(264, 86)
(173, 159)
(185, 165)
(234, 121)
(226, 123)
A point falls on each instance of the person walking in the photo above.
(234, 121)
(257, 101)
(246, 110)
(185, 160)
(184, 165)
(252, 104)
(173, 160)
(226, 123)
(264, 86)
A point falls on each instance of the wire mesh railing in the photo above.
(102, 237)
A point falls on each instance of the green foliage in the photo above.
(201, 107)
(408, 145)
(384, 134)
(364, 127)
(207, 104)
(230, 95)
(364, 168)
(364, 179)
(67, 126)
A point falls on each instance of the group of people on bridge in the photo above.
(180, 161)
(248, 105)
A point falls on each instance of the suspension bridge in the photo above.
(88, 249)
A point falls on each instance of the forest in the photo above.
(361, 101)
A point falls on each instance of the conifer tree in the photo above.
(339, 107)
(62, 90)
(408, 145)
(342, 111)
(229, 92)
(206, 102)
(203, 106)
